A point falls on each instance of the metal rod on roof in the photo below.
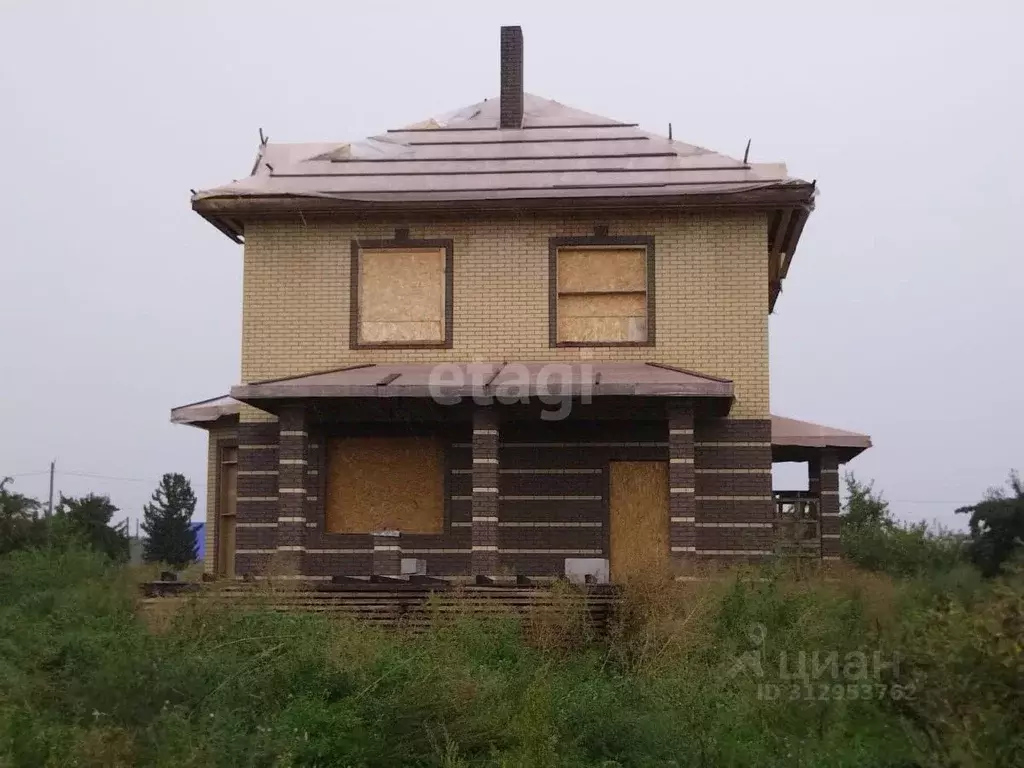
(670, 131)
(263, 139)
(746, 152)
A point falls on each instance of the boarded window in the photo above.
(402, 295)
(385, 483)
(602, 295)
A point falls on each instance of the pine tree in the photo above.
(167, 522)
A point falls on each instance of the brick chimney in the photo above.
(511, 77)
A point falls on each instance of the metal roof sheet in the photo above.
(559, 152)
(442, 380)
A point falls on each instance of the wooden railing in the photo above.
(797, 524)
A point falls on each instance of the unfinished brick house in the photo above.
(518, 339)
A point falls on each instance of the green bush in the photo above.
(873, 539)
(86, 680)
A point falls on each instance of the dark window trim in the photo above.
(554, 243)
(404, 244)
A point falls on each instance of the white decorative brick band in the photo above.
(591, 471)
(830, 514)
(485, 548)
(680, 490)
(684, 549)
(293, 519)
(735, 525)
(339, 551)
(293, 462)
(435, 551)
(830, 493)
(293, 433)
(733, 444)
(551, 498)
(291, 490)
(485, 490)
(484, 519)
(737, 552)
(735, 498)
(256, 498)
(291, 548)
(830, 535)
(682, 519)
(680, 431)
(681, 461)
(255, 525)
(733, 471)
(255, 551)
(261, 447)
(257, 472)
(485, 461)
(551, 551)
(386, 548)
(485, 432)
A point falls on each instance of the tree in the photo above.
(19, 526)
(89, 518)
(167, 522)
(997, 526)
(864, 507)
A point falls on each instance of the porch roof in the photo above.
(794, 440)
(450, 380)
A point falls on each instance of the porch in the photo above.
(374, 471)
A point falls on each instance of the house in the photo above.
(515, 339)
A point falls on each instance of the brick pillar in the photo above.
(682, 505)
(387, 553)
(293, 460)
(824, 481)
(484, 559)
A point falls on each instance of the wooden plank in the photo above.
(638, 511)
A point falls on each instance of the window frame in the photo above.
(358, 245)
(626, 241)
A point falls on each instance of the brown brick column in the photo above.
(293, 460)
(682, 504)
(387, 553)
(826, 472)
(484, 526)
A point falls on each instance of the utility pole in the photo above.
(49, 505)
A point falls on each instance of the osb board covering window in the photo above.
(638, 512)
(401, 295)
(602, 294)
(384, 483)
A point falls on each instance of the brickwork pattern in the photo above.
(682, 503)
(711, 296)
(733, 482)
(826, 472)
(484, 522)
(293, 462)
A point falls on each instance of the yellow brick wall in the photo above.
(711, 296)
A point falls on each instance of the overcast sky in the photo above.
(902, 315)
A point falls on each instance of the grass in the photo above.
(85, 681)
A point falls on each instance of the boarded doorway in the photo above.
(227, 494)
(638, 512)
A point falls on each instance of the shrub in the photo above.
(84, 681)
